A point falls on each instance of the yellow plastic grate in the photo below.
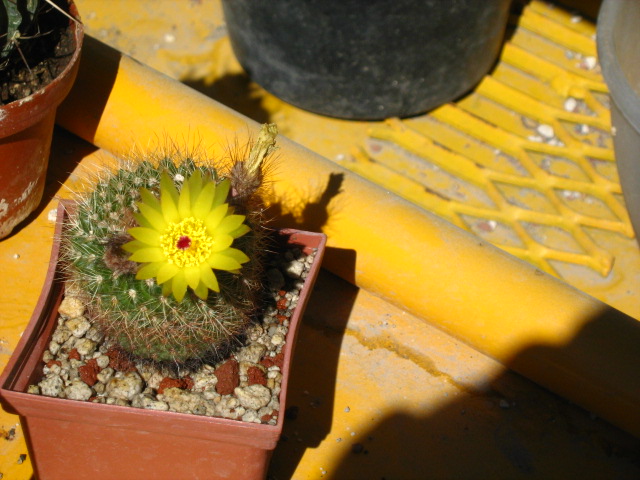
(526, 160)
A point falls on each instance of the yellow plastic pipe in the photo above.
(541, 327)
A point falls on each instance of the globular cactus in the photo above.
(168, 253)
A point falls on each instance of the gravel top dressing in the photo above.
(80, 364)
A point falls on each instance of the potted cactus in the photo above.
(162, 347)
(40, 42)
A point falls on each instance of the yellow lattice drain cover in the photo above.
(525, 161)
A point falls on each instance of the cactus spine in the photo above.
(135, 314)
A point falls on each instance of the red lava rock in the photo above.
(188, 383)
(269, 416)
(185, 383)
(89, 372)
(281, 304)
(281, 319)
(278, 360)
(282, 293)
(73, 354)
(119, 361)
(256, 376)
(50, 363)
(228, 375)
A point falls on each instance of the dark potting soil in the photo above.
(46, 53)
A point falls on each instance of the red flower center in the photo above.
(184, 242)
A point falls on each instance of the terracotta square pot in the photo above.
(84, 440)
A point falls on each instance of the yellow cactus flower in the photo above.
(182, 237)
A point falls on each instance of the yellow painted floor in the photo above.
(434, 408)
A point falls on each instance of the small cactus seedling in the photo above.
(168, 253)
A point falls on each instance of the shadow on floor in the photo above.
(512, 430)
(237, 92)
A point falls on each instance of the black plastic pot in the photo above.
(366, 59)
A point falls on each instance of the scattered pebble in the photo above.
(253, 396)
(583, 129)
(71, 307)
(545, 130)
(126, 386)
(52, 215)
(588, 63)
(78, 390)
(570, 104)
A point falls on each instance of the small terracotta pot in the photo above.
(93, 441)
(26, 130)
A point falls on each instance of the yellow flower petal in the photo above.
(230, 223)
(166, 272)
(149, 270)
(222, 191)
(148, 236)
(221, 242)
(202, 205)
(195, 185)
(208, 278)
(184, 201)
(154, 217)
(167, 289)
(179, 286)
(133, 246)
(169, 199)
(230, 259)
(140, 220)
(201, 291)
(236, 254)
(215, 217)
(149, 254)
(149, 199)
(241, 230)
(192, 275)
